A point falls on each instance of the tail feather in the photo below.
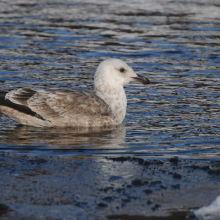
(20, 108)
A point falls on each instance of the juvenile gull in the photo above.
(105, 106)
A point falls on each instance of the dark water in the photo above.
(176, 44)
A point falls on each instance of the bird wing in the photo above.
(60, 104)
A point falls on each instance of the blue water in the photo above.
(175, 44)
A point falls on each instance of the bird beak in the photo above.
(141, 79)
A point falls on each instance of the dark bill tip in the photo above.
(141, 79)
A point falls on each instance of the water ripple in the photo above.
(174, 43)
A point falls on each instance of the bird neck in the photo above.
(116, 99)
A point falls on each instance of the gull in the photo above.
(104, 106)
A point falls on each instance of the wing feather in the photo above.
(20, 96)
(61, 105)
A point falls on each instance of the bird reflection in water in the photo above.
(65, 138)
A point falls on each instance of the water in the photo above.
(176, 44)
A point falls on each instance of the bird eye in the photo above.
(122, 70)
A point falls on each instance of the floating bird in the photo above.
(104, 106)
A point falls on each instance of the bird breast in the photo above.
(116, 99)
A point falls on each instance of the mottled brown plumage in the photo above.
(60, 106)
(105, 106)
